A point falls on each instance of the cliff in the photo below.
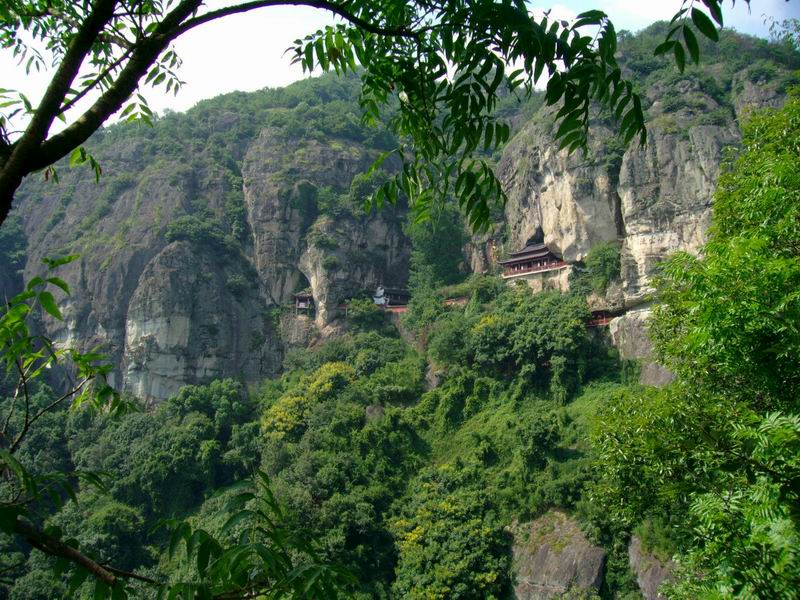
(203, 226)
(652, 200)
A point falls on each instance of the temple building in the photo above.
(538, 266)
(303, 302)
(388, 297)
(533, 258)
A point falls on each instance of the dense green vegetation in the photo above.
(738, 61)
(599, 269)
(410, 489)
(717, 451)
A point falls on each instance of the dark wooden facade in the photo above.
(388, 297)
(533, 258)
(303, 302)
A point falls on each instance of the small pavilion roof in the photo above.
(396, 291)
(306, 293)
(531, 251)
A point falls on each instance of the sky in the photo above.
(246, 52)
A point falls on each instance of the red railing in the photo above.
(600, 321)
(396, 309)
(550, 267)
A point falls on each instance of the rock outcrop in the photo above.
(650, 571)
(653, 200)
(553, 557)
(571, 198)
(190, 325)
(281, 181)
(351, 255)
(188, 251)
(629, 333)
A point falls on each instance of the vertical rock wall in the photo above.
(202, 304)
(653, 200)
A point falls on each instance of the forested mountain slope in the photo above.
(200, 225)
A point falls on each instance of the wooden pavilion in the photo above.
(304, 301)
(533, 258)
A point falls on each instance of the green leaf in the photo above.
(691, 44)
(52, 263)
(58, 282)
(77, 579)
(100, 590)
(49, 304)
(33, 283)
(704, 24)
(77, 156)
(716, 10)
(680, 57)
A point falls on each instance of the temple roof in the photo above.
(306, 293)
(396, 291)
(529, 252)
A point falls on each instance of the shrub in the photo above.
(450, 545)
(237, 285)
(600, 267)
(201, 232)
(365, 314)
(447, 342)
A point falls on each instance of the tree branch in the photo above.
(33, 152)
(58, 401)
(321, 4)
(61, 144)
(49, 545)
(130, 575)
(11, 409)
(74, 100)
(148, 50)
(17, 165)
(27, 424)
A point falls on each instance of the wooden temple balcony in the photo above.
(304, 302)
(601, 318)
(533, 258)
(508, 273)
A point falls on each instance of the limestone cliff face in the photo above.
(116, 233)
(341, 261)
(552, 558)
(189, 248)
(653, 199)
(188, 322)
(571, 198)
(666, 190)
(650, 570)
(340, 253)
(281, 179)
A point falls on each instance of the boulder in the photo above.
(552, 557)
(650, 571)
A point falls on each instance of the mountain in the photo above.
(204, 224)
(486, 443)
(203, 227)
(651, 200)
